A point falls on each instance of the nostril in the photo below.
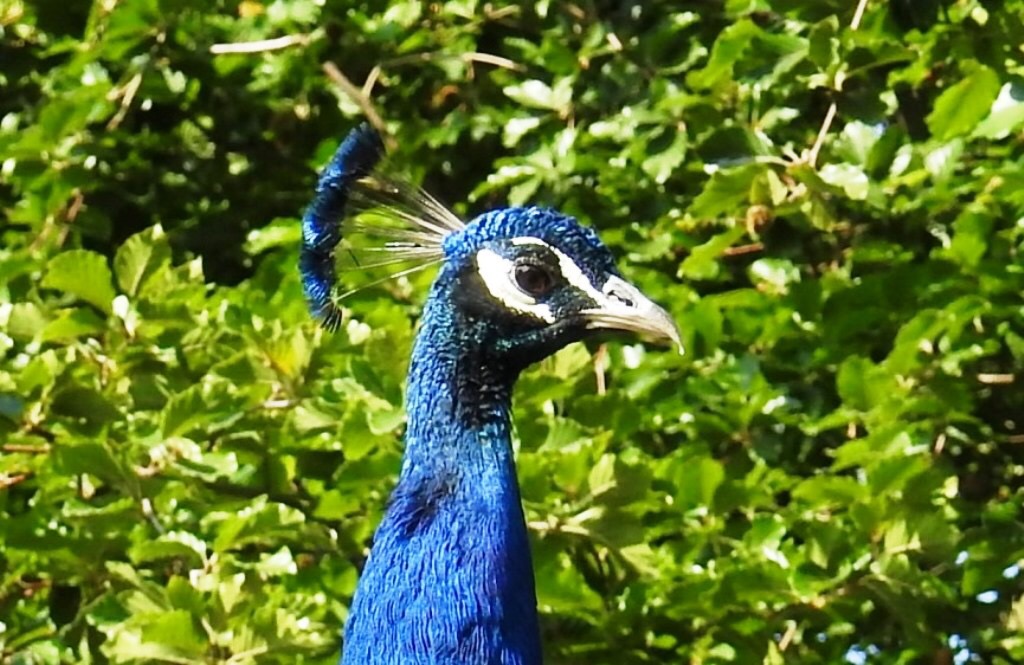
(621, 297)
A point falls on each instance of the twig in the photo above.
(25, 448)
(357, 96)
(859, 14)
(996, 379)
(600, 365)
(12, 480)
(150, 514)
(490, 59)
(69, 214)
(371, 80)
(260, 46)
(743, 249)
(245, 656)
(830, 115)
(492, 14)
(127, 94)
(787, 637)
(473, 56)
(75, 207)
(558, 527)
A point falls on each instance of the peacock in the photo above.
(449, 578)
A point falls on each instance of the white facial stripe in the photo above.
(497, 274)
(571, 272)
(619, 304)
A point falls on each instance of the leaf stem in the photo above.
(830, 115)
(260, 45)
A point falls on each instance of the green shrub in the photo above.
(191, 471)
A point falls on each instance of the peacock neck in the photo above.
(458, 396)
(450, 578)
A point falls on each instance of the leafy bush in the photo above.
(826, 195)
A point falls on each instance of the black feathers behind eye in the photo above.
(534, 279)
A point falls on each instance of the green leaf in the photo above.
(725, 191)
(852, 180)
(176, 633)
(777, 274)
(213, 403)
(943, 160)
(659, 165)
(88, 458)
(971, 232)
(1006, 114)
(960, 108)
(86, 404)
(702, 263)
(83, 274)
(852, 382)
(538, 94)
(864, 385)
(830, 490)
(26, 320)
(174, 544)
(729, 47)
(696, 481)
(856, 142)
(72, 323)
(285, 232)
(139, 257)
(823, 44)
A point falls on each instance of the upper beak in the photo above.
(624, 307)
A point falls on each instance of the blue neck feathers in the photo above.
(450, 578)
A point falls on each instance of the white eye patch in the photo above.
(498, 275)
(570, 271)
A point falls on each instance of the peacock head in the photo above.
(518, 282)
(530, 280)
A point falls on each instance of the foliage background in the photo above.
(833, 472)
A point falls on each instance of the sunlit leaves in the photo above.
(538, 94)
(83, 274)
(960, 107)
(725, 190)
(1006, 115)
(192, 472)
(139, 257)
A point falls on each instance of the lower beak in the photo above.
(626, 308)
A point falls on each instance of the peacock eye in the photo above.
(533, 279)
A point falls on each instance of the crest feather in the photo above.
(361, 220)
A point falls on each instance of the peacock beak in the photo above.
(624, 307)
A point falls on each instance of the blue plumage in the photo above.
(449, 578)
(321, 231)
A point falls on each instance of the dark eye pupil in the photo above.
(534, 280)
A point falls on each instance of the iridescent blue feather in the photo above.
(358, 154)
(361, 220)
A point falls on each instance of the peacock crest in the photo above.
(365, 222)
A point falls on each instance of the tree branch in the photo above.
(260, 46)
(356, 95)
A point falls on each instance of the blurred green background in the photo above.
(828, 196)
